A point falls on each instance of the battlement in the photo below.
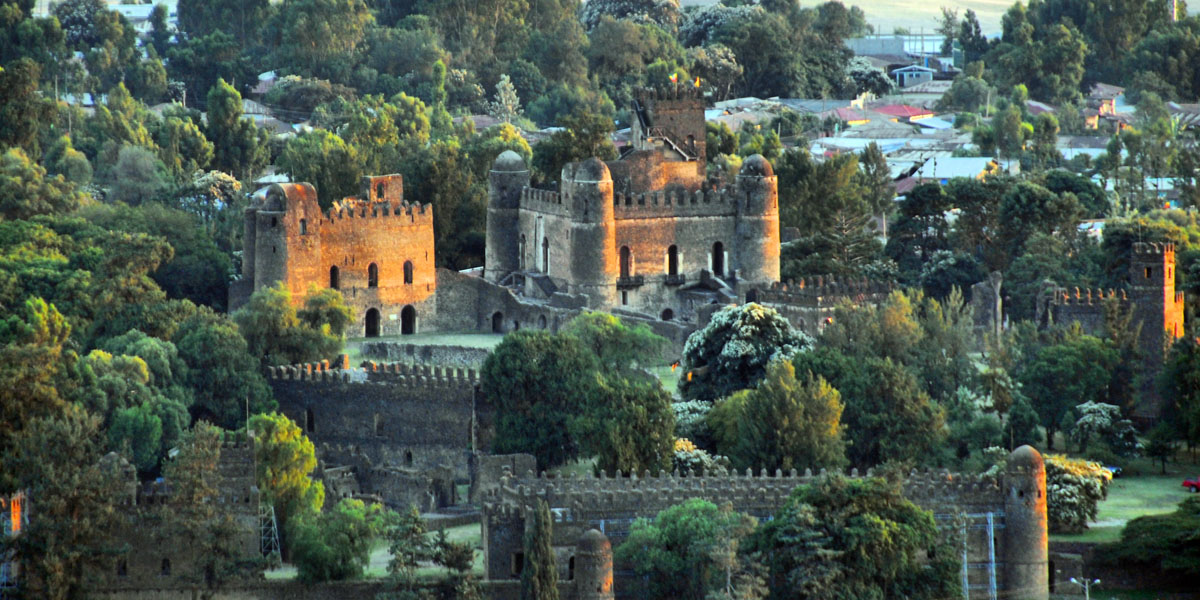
(1154, 248)
(585, 494)
(397, 374)
(352, 208)
(542, 200)
(684, 91)
(675, 203)
(1087, 297)
(821, 291)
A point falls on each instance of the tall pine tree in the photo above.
(539, 576)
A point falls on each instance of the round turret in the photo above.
(757, 193)
(1026, 572)
(757, 166)
(593, 567)
(587, 190)
(509, 175)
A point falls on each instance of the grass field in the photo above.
(1143, 491)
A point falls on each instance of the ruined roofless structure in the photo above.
(377, 249)
(1156, 306)
(1002, 518)
(643, 232)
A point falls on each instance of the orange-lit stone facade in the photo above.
(377, 249)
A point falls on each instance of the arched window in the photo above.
(545, 255)
(408, 320)
(303, 226)
(373, 275)
(333, 277)
(673, 261)
(372, 324)
(122, 568)
(497, 322)
(165, 570)
(718, 259)
(379, 191)
(378, 425)
(668, 314)
(626, 262)
(309, 422)
(408, 458)
(408, 272)
(521, 253)
(542, 322)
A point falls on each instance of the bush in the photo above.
(1163, 542)
(1073, 488)
(690, 458)
(335, 545)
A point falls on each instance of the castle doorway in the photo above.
(718, 259)
(668, 314)
(673, 261)
(497, 322)
(333, 277)
(372, 322)
(626, 262)
(408, 320)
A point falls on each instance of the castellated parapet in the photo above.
(376, 248)
(1000, 516)
(1155, 305)
(400, 416)
(808, 304)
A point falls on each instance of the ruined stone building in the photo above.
(644, 232)
(154, 558)
(377, 249)
(1157, 309)
(1001, 518)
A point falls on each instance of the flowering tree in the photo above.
(732, 352)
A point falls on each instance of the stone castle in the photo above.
(377, 249)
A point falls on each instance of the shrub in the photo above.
(1073, 488)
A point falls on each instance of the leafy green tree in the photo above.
(971, 38)
(335, 545)
(56, 460)
(887, 416)
(1074, 487)
(539, 576)
(409, 545)
(236, 18)
(628, 424)
(35, 360)
(1179, 384)
(1062, 376)
(200, 61)
(222, 374)
(734, 349)
(23, 109)
(785, 423)
(619, 347)
(584, 136)
(137, 177)
(27, 191)
(285, 460)
(483, 148)
(1029, 208)
(533, 411)
(182, 146)
(63, 159)
(856, 538)
(679, 552)
(321, 37)
(275, 334)
(239, 147)
(324, 160)
(920, 229)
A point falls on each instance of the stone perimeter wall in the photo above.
(1002, 518)
(423, 354)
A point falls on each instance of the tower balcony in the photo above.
(630, 282)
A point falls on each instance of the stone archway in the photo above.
(372, 322)
(408, 320)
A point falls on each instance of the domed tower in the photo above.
(509, 175)
(587, 189)
(757, 192)
(1026, 569)
(593, 567)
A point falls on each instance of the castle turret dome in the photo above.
(510, 162)
(592, 540)
(592, 169)
(757, 166)
(1025, 457)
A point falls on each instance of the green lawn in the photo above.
(467, 339)
(1143, 491)
(377, 568)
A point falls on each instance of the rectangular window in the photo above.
(518, 564)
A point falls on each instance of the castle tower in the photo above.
(1159, 309)
(587, 189)
(508, 177)
(757, 222)
(674, 117)
(593, 567)
(273, 227)
(1026, 568)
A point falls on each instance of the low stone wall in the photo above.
(418, 354)
(294, 590)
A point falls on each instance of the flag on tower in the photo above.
(675, 77)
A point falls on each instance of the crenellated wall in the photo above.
(377, 249)
(1001, 518)
(397, 415)
(809, 303)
